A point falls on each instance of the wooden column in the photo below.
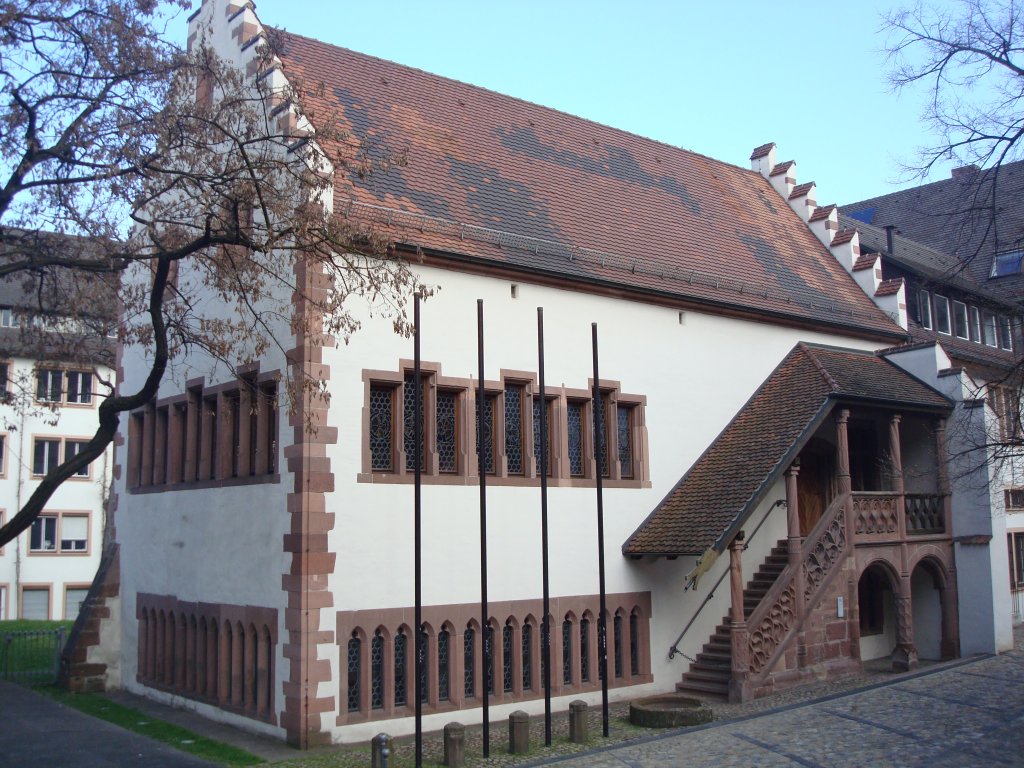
(846, 492)
(896, 468)
(795, 551)
(738, 624)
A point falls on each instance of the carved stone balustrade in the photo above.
(876, 516)
(926, 514)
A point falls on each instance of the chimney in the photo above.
(964, 170)
(890, 245)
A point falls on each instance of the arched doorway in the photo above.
(876, 591)
(927, 586)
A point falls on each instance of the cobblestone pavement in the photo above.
(970, 714)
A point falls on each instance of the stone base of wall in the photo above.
(80, 669)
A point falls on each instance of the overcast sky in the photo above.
(717, 77)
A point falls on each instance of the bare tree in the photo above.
(169, 181)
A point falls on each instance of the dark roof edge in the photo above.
(857, 331)
(920, 381)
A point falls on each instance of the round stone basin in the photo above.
(669, 711)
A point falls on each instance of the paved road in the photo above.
(968, 715)
(38, 732)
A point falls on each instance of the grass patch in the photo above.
(158, 730)
(30, 625)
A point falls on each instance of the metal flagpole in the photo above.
(418, 440)
(485, 642)
(542, 469)
(601, 459)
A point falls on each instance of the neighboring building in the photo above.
(965, 293)
(52, 369)
(265, 573)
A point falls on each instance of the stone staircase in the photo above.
(709, 674)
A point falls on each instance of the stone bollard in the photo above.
(578, 722)
(455, 744)
(381, 751)
(518, 733)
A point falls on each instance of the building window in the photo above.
(507, 638)
(960, 320)
(73, 599)
(377, 671)
(447, 429)
(537, 400)
(617, 636)
(400, 676)
(527, 656)
(35, 603)
(975, 325)
(8, 318)
(1007, 406)
(409, 422)
(3, 455)
(49, 383)
(574, 429)
(1008, 263)
(43, 536)
(74, 533)
(624, 427)
(489, 658)
(45, 456)
(469, 660)
(585, 650)
(634, 644)
(382, 401)
(514, 428)
(566, 651)
(988, 329)
(1014, 498)
(79, 387)
(1005, 333)
(443, 665)
(604, 406)
(1016, 541)
(924, 309)
(355, 671)
(71, 449)
(485, 434)
(942, 314)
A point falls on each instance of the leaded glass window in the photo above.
(355, 669)
(601, 433)
(400, 656)
(634, 644)
(447, 431)
(617, 634)
(624, 427)
(422, 680)
(585, 650)
(443, 668)
(410, 421)
(574, 424)
(567, 651)
(486, 434)
(489, 658)
(469, 660)
(527, 652)
(506, 658)
(543, 658)
(377, 671)
(381, 428)
(514, 429)
(537, 400)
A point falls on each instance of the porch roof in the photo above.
(724, 486)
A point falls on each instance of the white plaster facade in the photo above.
(57, 571)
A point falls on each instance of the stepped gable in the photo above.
(723, 487)
(497, 180)
(953, 216)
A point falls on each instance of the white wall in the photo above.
(20, 423)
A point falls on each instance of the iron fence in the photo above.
(31, 656)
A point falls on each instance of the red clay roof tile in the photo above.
(889, 287)
(486, 169)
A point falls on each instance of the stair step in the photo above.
(707, 676)
(718, 668)
(715, 655)
(707, 689)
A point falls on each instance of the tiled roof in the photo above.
(889, 287)
(822, 212)
(800, 190)
(727, 482)
(494, 179)
(954, 217)
(865, 261)
(843, 236)
(781, 168)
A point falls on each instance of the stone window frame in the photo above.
(455, 619)
(198, 438)
(467, 389)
